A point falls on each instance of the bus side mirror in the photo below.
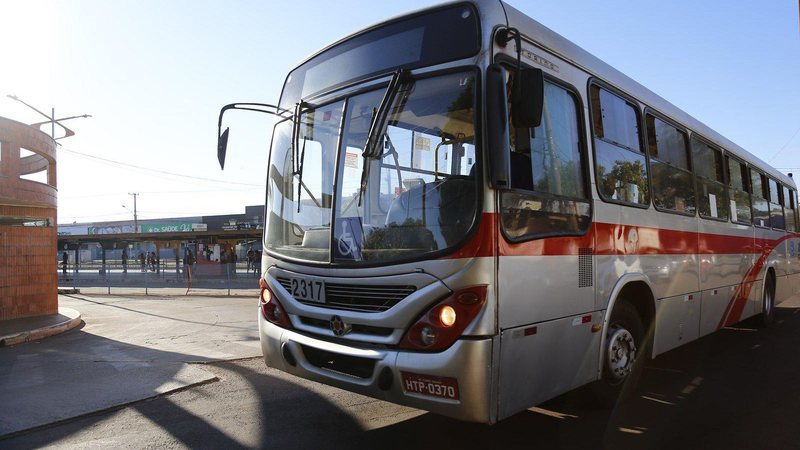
(527, 98)
(222, 148)
(497, 151)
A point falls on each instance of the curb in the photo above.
(74, 319)
(62, 291)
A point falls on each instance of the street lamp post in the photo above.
(51, 119)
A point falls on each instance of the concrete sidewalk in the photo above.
(26, 329)
(129, 349)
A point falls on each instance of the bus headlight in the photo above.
(447, 315)
(444, 322)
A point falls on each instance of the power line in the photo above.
(111, 161)
(117, 194)
(784, 145)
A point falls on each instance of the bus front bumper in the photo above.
(378, 373)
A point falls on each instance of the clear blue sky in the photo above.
(154, 75)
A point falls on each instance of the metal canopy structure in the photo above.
(107, 240)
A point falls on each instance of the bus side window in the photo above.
(796, 210)
(621, 169)
(759, 195)
(776, 205)
(548, 173)
(670, 169)
(738, 184)
(789, 211)
(711, 193)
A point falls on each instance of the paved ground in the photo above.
(129, 349)
(735, 389)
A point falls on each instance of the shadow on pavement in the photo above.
(736, 388)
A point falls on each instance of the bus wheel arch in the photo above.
(636, 290)
(626, 343)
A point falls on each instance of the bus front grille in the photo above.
(344, 364)
(361, 298)
(355, 328)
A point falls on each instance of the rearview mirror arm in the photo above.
(222, 136)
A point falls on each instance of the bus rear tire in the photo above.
(625, 350)
(767, 315)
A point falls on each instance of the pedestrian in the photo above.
(124, 260)
(64, 259)
(188, 262)
(251, 256)
(256, 262)
(234, 260)
(142, 261)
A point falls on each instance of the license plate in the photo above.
(308, 289)
(430, 385)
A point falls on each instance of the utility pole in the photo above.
(135, 217)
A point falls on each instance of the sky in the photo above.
(154, 74)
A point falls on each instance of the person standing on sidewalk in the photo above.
(188, 262)
(124, 260)
(64, 259)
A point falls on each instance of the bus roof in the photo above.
(567, 50)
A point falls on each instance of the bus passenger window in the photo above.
(759, 195)
(789, 211)
(775, 205)
(711, 193)
(621, 169)
(548, 164)
(669, 165)
(739, 190)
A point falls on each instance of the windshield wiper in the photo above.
(299, 156)
(376, 127)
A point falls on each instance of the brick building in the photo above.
(28, 279)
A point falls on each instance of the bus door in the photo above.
(545, 272)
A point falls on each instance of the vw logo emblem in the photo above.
(338, 326)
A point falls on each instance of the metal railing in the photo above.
(163, 274)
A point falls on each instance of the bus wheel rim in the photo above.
(621, 353)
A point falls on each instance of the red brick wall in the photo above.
(28, 278)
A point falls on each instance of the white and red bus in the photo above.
(468, 214)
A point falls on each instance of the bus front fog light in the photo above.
(447, 316)
(428, 336)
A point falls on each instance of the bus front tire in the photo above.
(625, 350)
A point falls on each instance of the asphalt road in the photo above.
(737, 388)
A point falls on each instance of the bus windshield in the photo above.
(417, 193)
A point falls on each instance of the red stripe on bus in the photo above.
(617, 239)
(620, 239)
(733, 312)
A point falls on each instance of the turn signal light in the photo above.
(442, 324)
(271, 308)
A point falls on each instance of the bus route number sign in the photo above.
(431, 385)
(308, 289)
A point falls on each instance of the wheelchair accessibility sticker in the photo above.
(349, 238)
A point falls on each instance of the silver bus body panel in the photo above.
(557, 357)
